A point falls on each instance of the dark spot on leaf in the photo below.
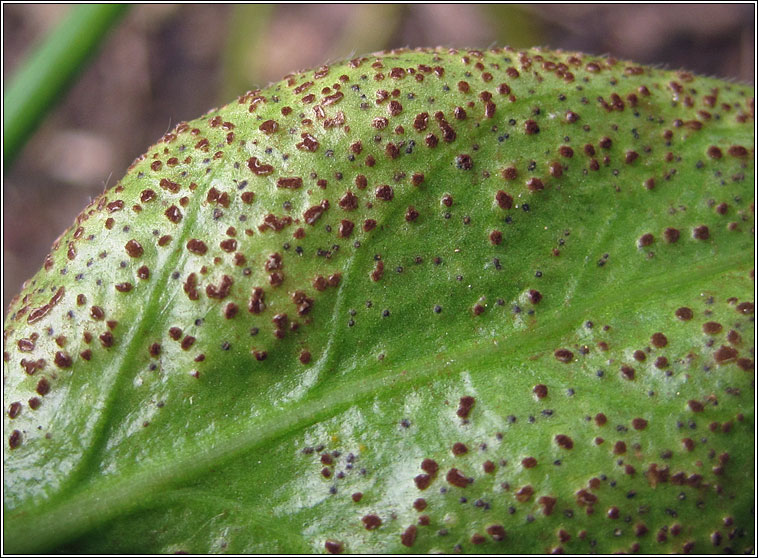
(457, 478)
(371, 522)
(658, 340)
(684, 313)
(459, 448)
(564, 355)
(14, 440)
(564, 441)
(671, 235)
(701, 233)
(465, 405)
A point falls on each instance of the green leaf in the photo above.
(421, 301)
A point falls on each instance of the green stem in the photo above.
(43, 78)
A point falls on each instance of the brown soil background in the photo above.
(167, 63)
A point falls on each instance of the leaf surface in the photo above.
(420, 301)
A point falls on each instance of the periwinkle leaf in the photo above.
(433, 300)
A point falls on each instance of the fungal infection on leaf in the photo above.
(433, 300)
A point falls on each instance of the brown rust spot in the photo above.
(627, 372)
(303, 303)
(684, 313)
(459, 448)
(349, 201)
(14, 409)
(525, 493)
(134, 248)
(291, 183)
(26, 345)
(478, 538)
(725, 354)
(312, 214)
(371, 522)
(258, 168)
(497, 532)
(712, 328)
(701, 232)
(746, 308)
(456, 478)
(429, 466)
(269, 126)
(465, 405)
(639, 423)
(564, 355)
(409, 536)
(222, 290)
(43, 387)
(671, 235)
(695, 406)
(422, 481)
(535, 184)
(548, 504)
(106, 339)
(124, 287)
(62, 360)
(566, 151)
(585, 498)
(346, 228)
(384, 192)
(31, 366)
(737, 151)
(256, 303)
(411, 214)
(334, 547)
(173, 214)
(504, 201)
(197, 246)
(658, 340)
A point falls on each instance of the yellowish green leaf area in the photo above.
(420, 301)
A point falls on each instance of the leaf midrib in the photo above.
(91, 507)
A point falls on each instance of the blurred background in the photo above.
(166, 63)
